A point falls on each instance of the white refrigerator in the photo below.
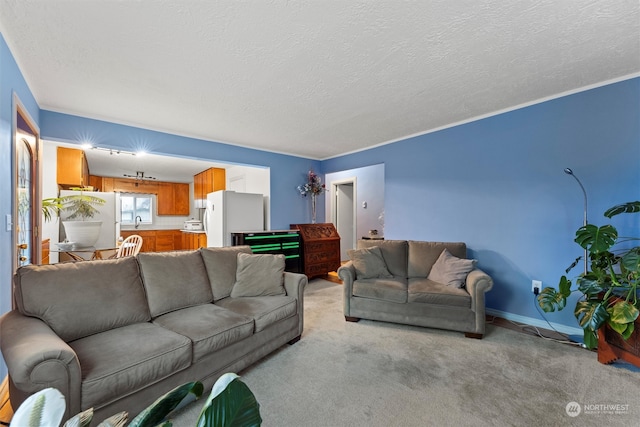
(109, 215)
(229, 212)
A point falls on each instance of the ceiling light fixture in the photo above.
(112, 151)
(139, 175)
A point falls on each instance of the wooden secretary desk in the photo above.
(320, 245)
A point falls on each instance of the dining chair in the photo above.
(130, 246)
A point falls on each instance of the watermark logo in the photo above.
(573, 409)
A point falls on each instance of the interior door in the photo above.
(345, 217)
(26, 171)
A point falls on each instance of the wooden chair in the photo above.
(130, 247)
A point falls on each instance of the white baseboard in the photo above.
(568, 330)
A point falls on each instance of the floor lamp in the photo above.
(568, 171)
(578, 338)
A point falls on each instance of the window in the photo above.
(136, 205)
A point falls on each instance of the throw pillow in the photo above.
(259, 275)
(369, 263)
(451, 270)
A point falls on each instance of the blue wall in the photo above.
(498, 185)
(287, 172)
(11, 82)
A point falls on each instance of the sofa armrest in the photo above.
(347, 273)
(37, 359)
(478, 283)
(294, 284)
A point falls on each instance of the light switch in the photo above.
(364, 205)
(9, 222)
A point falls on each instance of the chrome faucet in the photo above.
(136, 221)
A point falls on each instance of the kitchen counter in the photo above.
(194, 231)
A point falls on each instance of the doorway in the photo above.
(26, 183)
(344, 214)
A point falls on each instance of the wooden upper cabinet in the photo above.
(134, 186)
(208, 181)
(173, 199)
(72, 168)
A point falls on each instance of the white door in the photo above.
(345, 216)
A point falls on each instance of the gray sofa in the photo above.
(408, 296)
(116, 334)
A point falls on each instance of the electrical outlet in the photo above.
(536, 286)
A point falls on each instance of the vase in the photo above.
(82, 233)
(313, 209)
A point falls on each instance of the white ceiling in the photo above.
(313, 78)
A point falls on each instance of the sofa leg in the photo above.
(351, 319)
(473, 335)
(295, 340)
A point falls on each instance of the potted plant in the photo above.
(231, 403)
(610, 286)
(81, 208)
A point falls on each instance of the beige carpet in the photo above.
(381, 374)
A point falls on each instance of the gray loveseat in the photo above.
(407, 295)
(116, 334)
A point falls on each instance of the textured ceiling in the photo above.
(313, 78)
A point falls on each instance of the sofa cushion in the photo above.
(394, 289)
(451, 270)
(394, 253)
(124, 360)
(259, 275)
(89, 297)
(369, 263)
(422, 255)
(221, 265)
(264, 310)
(209, 327)
(428, 291)
(174, 280)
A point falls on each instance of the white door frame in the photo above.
(349, 241)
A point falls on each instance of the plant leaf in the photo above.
(235, 405)
(549, 300)
(564, 286)
(596, 239)
(589, 285)
(591, 314)
(590, 339)
(631, 261)
(623, 312)
(45, 406)
(117, 420)
(629, 207)
(166, 403)
(83, 419)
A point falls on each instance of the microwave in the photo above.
(193, 225)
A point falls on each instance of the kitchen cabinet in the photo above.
(320, 248)
(157, 240)
(173, 199)
(125, 185)
(164, 240)
(208, 181)
(193, 240)
(101, 183)
(72, 169)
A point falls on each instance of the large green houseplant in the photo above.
(610, 286)
(81, 208)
